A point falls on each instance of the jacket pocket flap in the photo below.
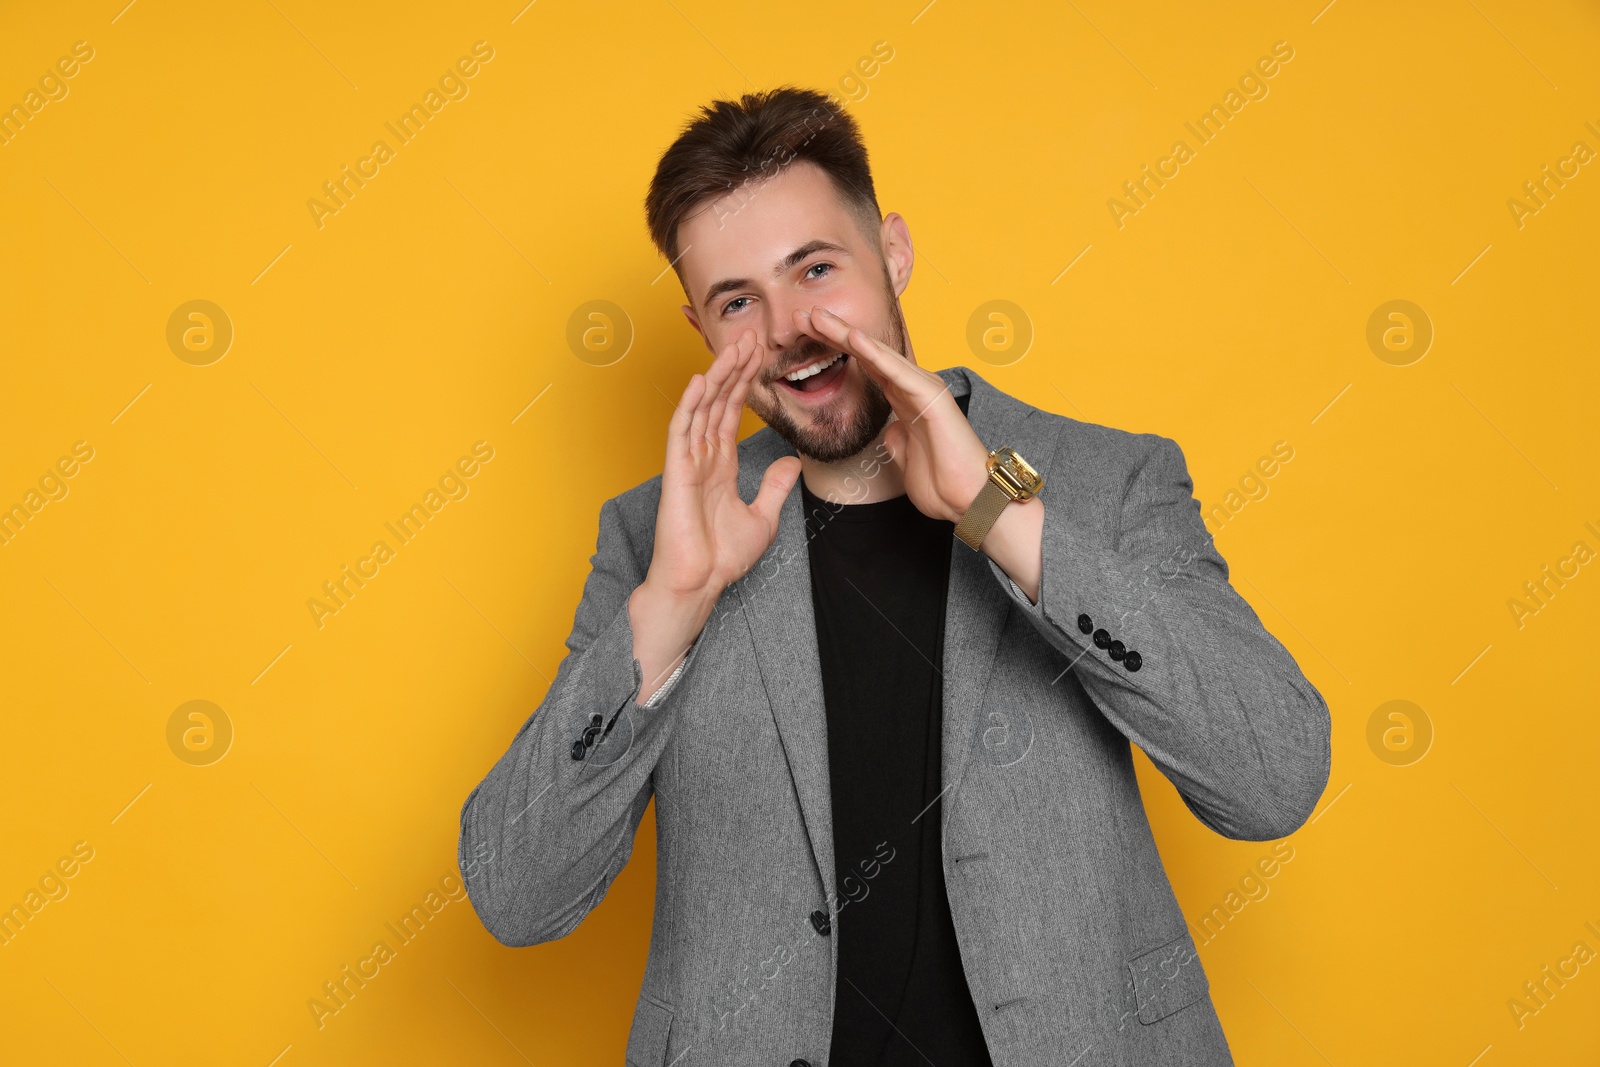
(1167, 977)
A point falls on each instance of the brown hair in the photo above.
(756, 138)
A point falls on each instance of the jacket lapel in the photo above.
(776, 599)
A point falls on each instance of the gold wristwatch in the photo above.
(1010, 479)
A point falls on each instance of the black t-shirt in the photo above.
(879, 575)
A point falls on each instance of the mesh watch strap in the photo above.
(986, 509)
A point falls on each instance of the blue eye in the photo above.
(734, 304)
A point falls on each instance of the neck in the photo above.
(864, 478)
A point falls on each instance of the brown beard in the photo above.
(835, 433)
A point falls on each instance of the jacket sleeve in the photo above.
(1188, 672)
(550, 827)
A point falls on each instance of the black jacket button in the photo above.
(578, 750)
(1116, 650)
(595, 719)
(589, 733)
(1101, 638)
(1134, 661)
(799, 1063)
(1085, 624)
(819, 919)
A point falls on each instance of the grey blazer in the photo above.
(1072, 942)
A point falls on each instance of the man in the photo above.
(896, 810)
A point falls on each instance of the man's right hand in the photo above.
(706, 535)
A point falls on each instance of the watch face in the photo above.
(1017, 471)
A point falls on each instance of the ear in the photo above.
(898, 256)
(688, 313)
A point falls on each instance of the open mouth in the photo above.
(818, 378)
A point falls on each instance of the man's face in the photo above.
(754, 256)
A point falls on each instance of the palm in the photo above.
(706, 535)
(925, 471)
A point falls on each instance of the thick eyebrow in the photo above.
(788, 261)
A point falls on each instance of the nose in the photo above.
(787, 340)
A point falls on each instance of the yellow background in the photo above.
(1229, 313)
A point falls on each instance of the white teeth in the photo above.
(816, 368)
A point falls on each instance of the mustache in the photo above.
(806, 355)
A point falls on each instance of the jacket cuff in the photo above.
(1082, 580)
(604, 680)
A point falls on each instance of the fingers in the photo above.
(707, 415)
(717, 409)
(682, 415)
(728, 430)
(910, 390)
(702, 407)
(697, 416)
(890, 367)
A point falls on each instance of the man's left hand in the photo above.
(941, 459)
